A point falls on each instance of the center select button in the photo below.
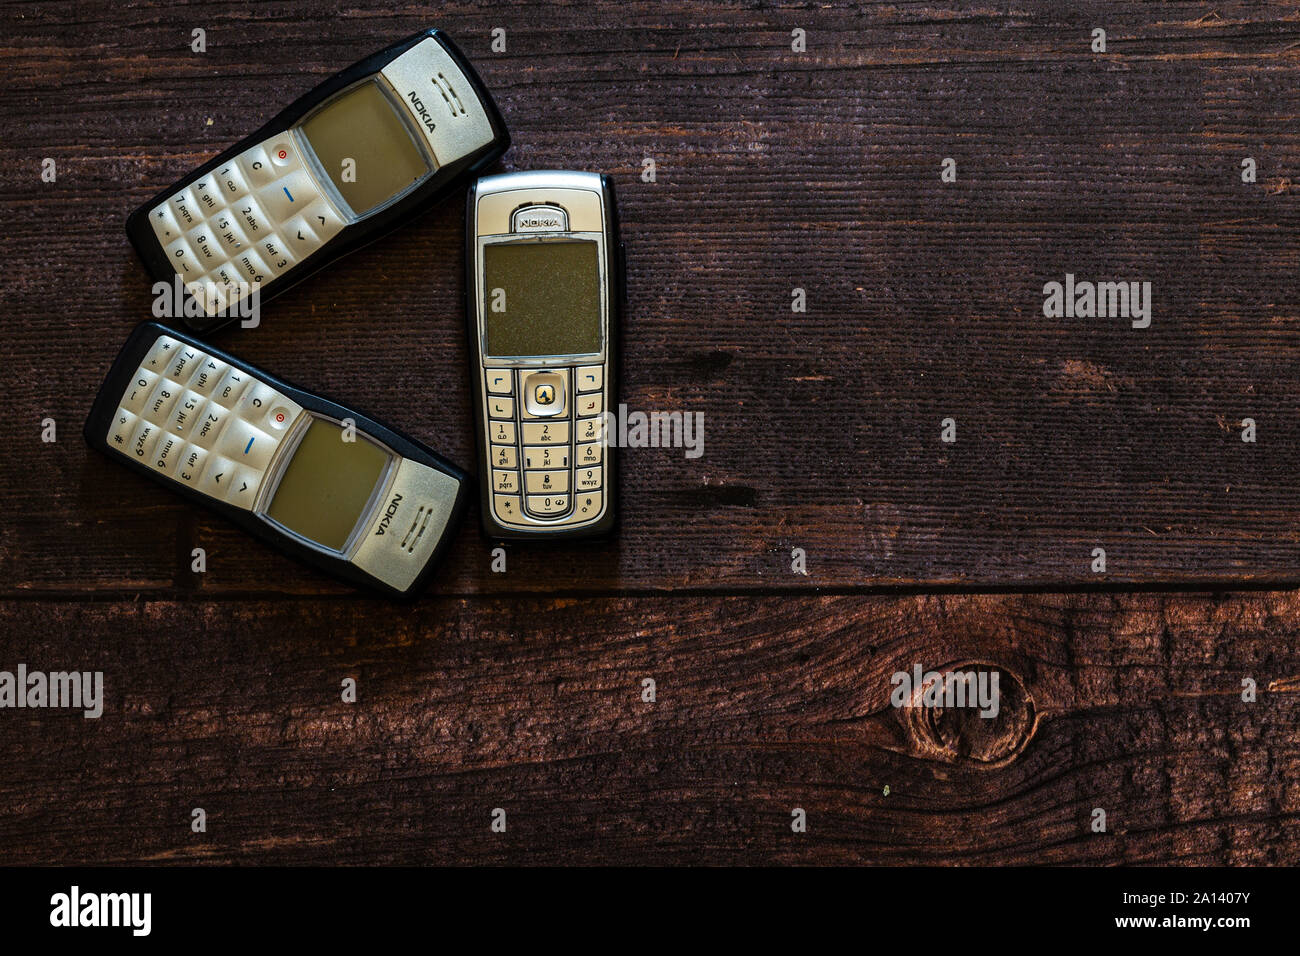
(544, 394)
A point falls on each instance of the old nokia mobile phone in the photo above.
(325, 483)
(544, 303)
(357, 156)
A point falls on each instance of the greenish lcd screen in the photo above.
(365, 148)
(327, 484)
(541, 298)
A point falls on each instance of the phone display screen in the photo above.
(542, 298)
(327, 484)
(365, 148)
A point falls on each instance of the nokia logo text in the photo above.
(417, 104)
(387, 519)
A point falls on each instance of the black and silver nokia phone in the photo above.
(360, 154)
(544, 299)
(325, 483)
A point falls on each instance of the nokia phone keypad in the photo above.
(547, 449)
(201, 422)
(244, 223)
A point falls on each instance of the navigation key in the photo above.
(243, 488)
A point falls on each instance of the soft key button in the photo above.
(244, 444)
(288, 196)
(500, 381)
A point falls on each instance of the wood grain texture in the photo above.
(1129, 704)
(774, 170)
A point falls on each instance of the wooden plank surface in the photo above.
(775, 170)
(1128, 704)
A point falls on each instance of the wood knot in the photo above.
(968, 712)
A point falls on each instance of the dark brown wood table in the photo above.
(775, 170)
